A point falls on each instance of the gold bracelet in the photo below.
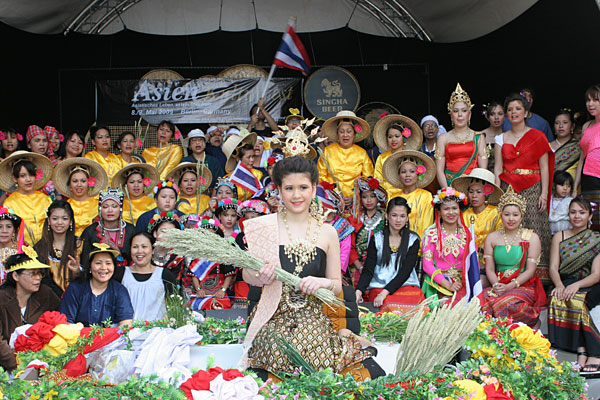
(487, 256)
(516, 282)
(536, 261)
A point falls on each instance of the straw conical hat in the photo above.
(463, 182)
(392, 165)
(119, 180)
(232, 143)
(331, 125)
(177, 172)
(65, 168)
(41, 162)
(413, 142)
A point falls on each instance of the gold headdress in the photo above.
(459, 95)
(295, 142)
(511, 198)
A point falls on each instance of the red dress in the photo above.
(461, 158)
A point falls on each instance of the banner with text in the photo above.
(185, 101)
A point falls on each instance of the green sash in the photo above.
(450, 176)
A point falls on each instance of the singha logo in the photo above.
(331, 88)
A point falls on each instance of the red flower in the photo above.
(19, 137)
(383, 114)
(92, 181)
(327, 186)
(231, 374)
(373, 183)
(177, 134)
(53, 318)
(271, 160)
(2, 135)
(39, 174)
(496, 392)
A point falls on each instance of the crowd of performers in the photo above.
(80, 232)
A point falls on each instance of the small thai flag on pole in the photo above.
(472, 277)
(201, 267)
(243, 177)
(324, 198)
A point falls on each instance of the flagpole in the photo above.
(264, 92)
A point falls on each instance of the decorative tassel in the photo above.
(21, 237)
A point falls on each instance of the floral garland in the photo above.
(166, 184)
(449, 193)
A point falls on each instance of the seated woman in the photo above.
(161, 223)
(81, 180)
(96, 297)
(109, 228)
(461, 149)
(240, 151)
(511, 256)
(393, 133)
(343, 161)
(301, 245)
(193, 179)
(59, 247)
(146, 283)
(483, 195)
(9, 229)
(23, 299)
(211, 280)
(368, 218)
(136, 181)
(166, 156)
(575, 272)
(72, 146)
(445, 247)
(412, 171)
(389, 278)
(111, 163)
(166, 194)
(30, 172)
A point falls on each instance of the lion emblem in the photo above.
(331, 88)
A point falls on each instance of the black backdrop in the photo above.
(552, 47)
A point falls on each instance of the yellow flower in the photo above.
(442, 195)
(267, 145)
(50, 395)
(471, 388)
(169, 184)
(33, 397)
(533, 342)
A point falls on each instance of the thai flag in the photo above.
(472, 277)
(243, 177)
(324, 198)
(291, 53)
(201, 267)
(201, 304)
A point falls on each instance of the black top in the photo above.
(168, 278)
(92, 234)
(406, 267)
(314, 268)
(266, 132)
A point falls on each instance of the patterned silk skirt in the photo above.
(570, 325)
(517, 303)
(300, 321)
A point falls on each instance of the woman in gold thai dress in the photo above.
(297, 240)
(193, 179)
(166, 156)
(393, 133)
(81, 180)
(111, 163)
(575, 272)
(136, 181)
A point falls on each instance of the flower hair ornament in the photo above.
(459, 95)
(164, 185)
(511, 198)
(449, 194)
(420, 166)
(157, 219)
(228, 204)
(254, 205)
(210, 223)
(274, 159)
(362, 184)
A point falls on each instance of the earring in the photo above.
(316, 209)
(386, 222)
(281, 210)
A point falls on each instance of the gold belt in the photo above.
(520, 171)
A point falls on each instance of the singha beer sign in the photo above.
(330, 90)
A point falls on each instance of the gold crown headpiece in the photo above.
(79, 168)
(459, 95)
(511, 198)
(295, 142)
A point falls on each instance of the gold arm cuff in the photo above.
(516, 282)
(536, 261)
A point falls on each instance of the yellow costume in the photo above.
(421, 210)
(57, 276)
(378, 174)
(85, 212)
(486, 222)
(111, 164)
(124, 162)
(165, 160)
(139, 206)
(191, 208)
(32, 209)
(346, 165)
(242, 194)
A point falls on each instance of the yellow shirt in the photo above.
(486, 222)
(168, 158)
(242, 194)
(421, 210)
(85, 212)
(32, 209)
(56, 272)
(133, 160)
(111, 164)
(138, 207)
(346, 165)
(191, 208)
(378, 174)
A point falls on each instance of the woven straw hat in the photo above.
(413, 142)
(392, 165)
(331, 125)
(486, 177)
(63, 171)
(177, 172)
(231, 145)
(119, 180)
(41, 162)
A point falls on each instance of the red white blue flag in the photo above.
(327, 201)
(242, 176)
(201, 267)
(291, 53)
(472, 277)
